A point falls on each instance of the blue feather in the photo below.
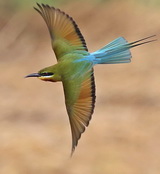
(117, 51)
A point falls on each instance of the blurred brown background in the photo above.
(124, 134)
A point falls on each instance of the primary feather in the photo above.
(65, 34)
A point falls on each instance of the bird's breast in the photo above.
(74, 69)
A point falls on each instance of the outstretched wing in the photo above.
(80, 102)
(65, 34)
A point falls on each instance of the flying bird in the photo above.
(75, 64)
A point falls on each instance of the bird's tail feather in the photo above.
(118, 51)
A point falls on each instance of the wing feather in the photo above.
(65, 34)
(80, 111)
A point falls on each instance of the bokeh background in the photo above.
(124, 133)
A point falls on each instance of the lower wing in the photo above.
(80, 102)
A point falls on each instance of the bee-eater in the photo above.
(75, 65)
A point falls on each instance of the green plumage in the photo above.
(75, 66)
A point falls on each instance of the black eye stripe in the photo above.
(46, 74)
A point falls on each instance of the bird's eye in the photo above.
(46, 74)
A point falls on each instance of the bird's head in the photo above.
(46, 74)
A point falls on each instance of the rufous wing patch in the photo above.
(65, 34)
(81, 112)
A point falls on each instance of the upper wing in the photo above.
(80, 102)
(65, 34)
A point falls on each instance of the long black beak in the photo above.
(33, 75)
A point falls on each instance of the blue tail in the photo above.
(118, 51)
